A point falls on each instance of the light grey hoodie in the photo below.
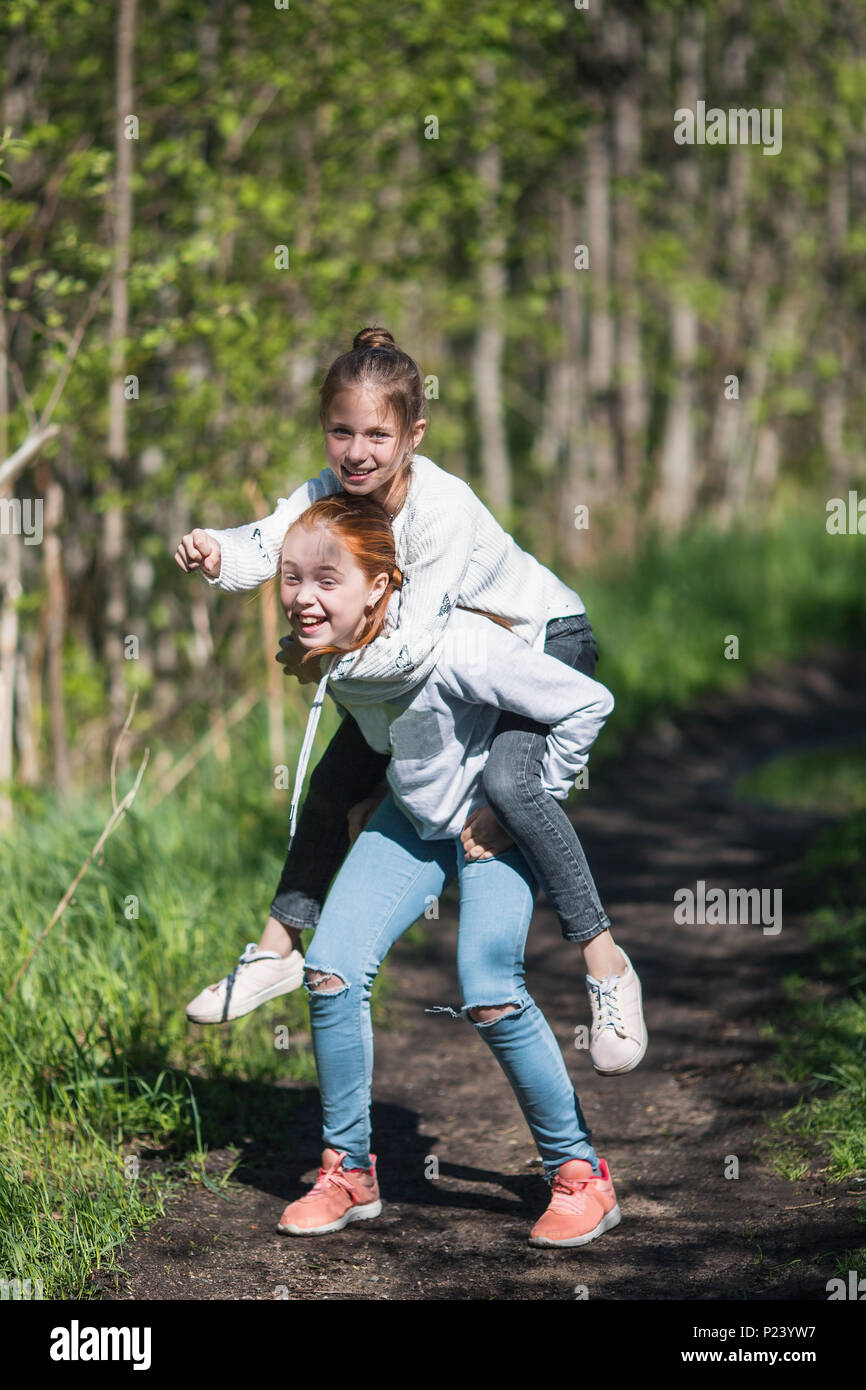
(439, 733)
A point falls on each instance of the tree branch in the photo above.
(18, 461)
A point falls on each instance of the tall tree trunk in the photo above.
(678, 472)
(55, 584)
(726, 426)
(754, 447)
(28, 760)
(833, 399)
(10, 568)
(566, 426)
(489, 350)
(10, 554)
(172, 516)
(757, 454)
(746, 337)
(744, 274)
(407, 175)
(601, 335)
(551, 440)
(269, 610)
(302, 363)
(114, 527)
(624, 43)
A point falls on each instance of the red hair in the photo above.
(361, 525)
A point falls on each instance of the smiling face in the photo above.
(362, 445)
(324, 592)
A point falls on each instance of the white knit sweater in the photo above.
(451, 550)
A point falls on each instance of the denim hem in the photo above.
(581, 938)
(552, 1166)
(348, 1158)
(308, 922)
(581, 621)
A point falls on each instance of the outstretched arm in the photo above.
(249, 554)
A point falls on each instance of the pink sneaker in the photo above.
(582, 1206)
(338, 1197)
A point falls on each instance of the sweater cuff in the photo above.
(227, 577)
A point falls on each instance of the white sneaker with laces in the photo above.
(257, 977)
(618, 1036)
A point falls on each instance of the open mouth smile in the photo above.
(310, 625)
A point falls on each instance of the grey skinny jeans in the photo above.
(536, 821)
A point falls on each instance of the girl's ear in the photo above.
(378, 587)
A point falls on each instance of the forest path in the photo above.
(664, 820)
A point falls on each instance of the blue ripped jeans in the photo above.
(388, 879)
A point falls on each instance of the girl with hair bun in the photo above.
(452, 553)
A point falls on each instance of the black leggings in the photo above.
(348, 771)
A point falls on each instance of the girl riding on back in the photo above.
(451, 551)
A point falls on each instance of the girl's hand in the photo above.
(360, 814)
(198, 550)
(289, 657)
(482, 837)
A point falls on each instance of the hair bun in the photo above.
(370, 338)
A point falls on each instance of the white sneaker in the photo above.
(618, 1037)
(257, 977)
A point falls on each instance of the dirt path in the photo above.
(664, 820)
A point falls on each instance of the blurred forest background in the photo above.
(200, 205)
(436, 168)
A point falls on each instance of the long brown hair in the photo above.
(361, 525)
(376, 363)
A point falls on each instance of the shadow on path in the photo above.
(663, 820)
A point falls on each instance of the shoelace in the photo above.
(250, 953)
(562, 1190)
(607, 1005)
(331, 1177)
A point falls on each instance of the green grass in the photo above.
(828, 779)
(778, 583)
(98, 1066)
(820, 1041)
